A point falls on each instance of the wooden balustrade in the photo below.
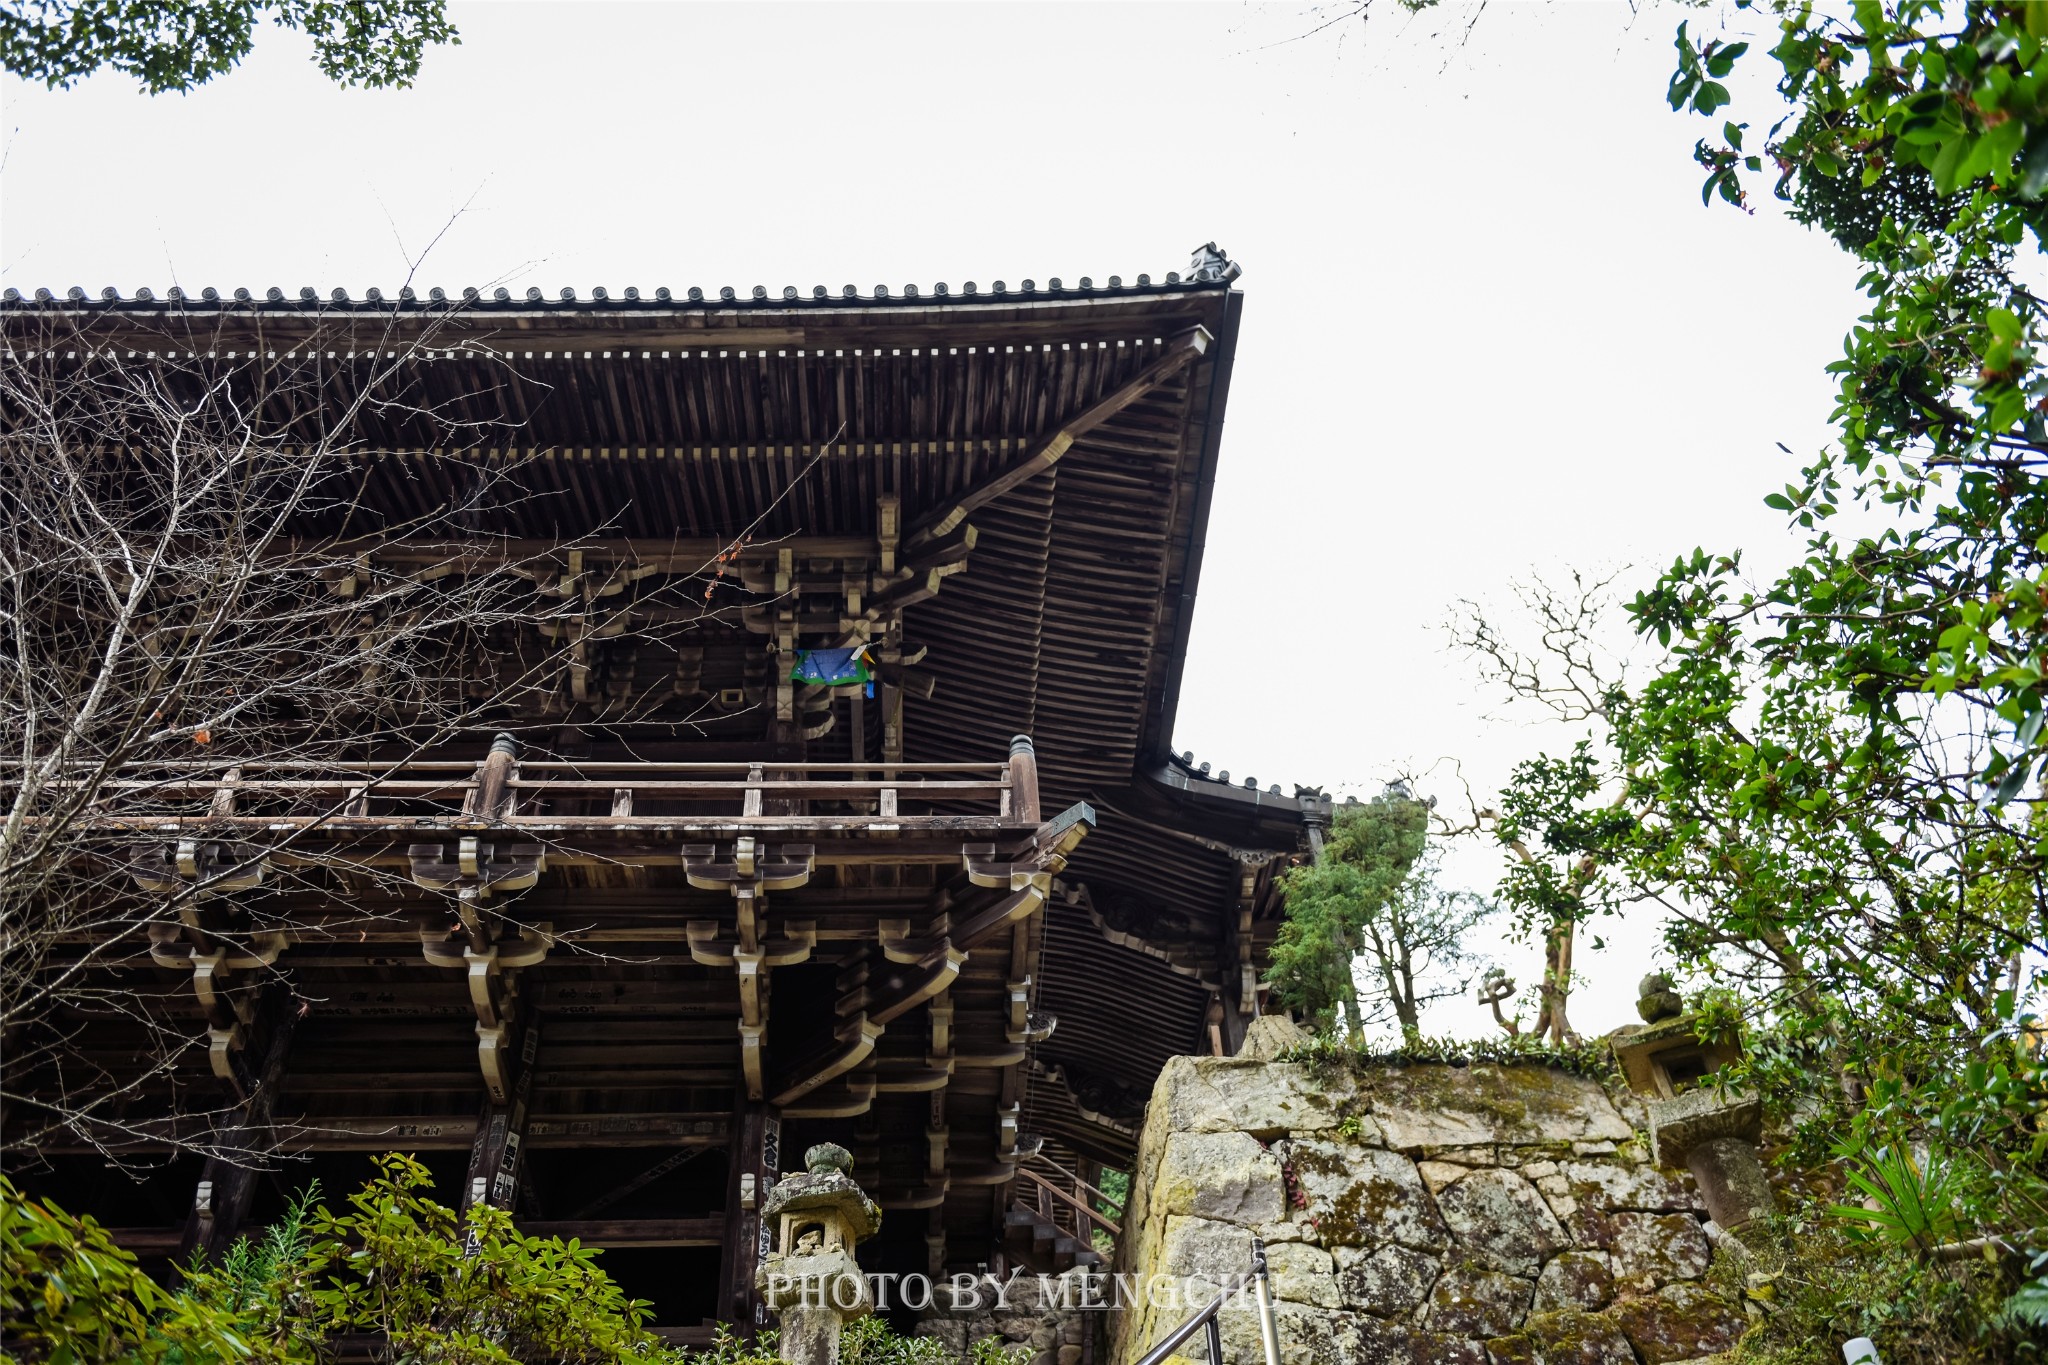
(503, 789)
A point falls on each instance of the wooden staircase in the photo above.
(1050, 1226)
(1043, 1246)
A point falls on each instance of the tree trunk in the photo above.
(1557, 983)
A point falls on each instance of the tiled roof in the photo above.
(1209, 268)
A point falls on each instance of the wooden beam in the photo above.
(633, 1232)
(1181, 351)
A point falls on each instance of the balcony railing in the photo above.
(503, 790)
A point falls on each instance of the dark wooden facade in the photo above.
(691, 916)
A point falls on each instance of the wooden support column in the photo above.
(756, 1157)
(227, 1183)
(1237, 999)
(495, 1157)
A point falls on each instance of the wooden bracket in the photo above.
(852, 1042)
(475, 869)
(211, 866)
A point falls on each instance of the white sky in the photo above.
(1489, 327)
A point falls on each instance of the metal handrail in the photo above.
(1269, 1332)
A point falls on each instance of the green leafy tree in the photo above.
(69, 1296)
(441, 1288)
(182, 44)
(1354, 884)
(1831, 782)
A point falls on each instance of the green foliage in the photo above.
(69, 1296)
(1357, 896)
(1909, 1202)
(182, 44)
(1327, 1052)
(1813, 1288)
(435, 1287)
(870, 1341)
(470, 1289)
(727, 1348)
(995, 1351)
(1829, 786)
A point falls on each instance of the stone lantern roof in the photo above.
(827, 1185)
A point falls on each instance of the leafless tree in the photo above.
(187, 581)
(1414, 948)
(1569, 675)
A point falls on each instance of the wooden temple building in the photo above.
(629, 961)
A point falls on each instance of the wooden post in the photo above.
(756, 1142)
(495, 1156)
(227, 1183)
(493, 796)
(1023, 780)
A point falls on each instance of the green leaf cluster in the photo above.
(180, 45)
(435, 1287)
(69, 1296)
(1371, 850)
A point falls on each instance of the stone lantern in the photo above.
(811, 1280)
(1713, 1133)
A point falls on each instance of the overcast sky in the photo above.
(1489, 329)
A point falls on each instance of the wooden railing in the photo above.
(502, 789)
(1061, 1198)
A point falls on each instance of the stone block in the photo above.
(1307, 1334)
(1437, 1174)
(951, 1332)
(1269, 1035)
(1364, 1196)
(1364, 1339)
(1468, 1301)
(1388, 1282)
(1205, 1248)
(1478, 1106)
(1566, 1338)
(1574, 1279)
(1228, 1094)
(1653, 1248)
(1641, 1189)
(1226, 1176)
(1302, 1274)
(1697, 1116)
(1499, 1217)
(1679, 1322)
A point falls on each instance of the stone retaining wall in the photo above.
(1038, 1320)
(1474, 1215)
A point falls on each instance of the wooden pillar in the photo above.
(227, 1183)
(756, 1154)
(495, 1157)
